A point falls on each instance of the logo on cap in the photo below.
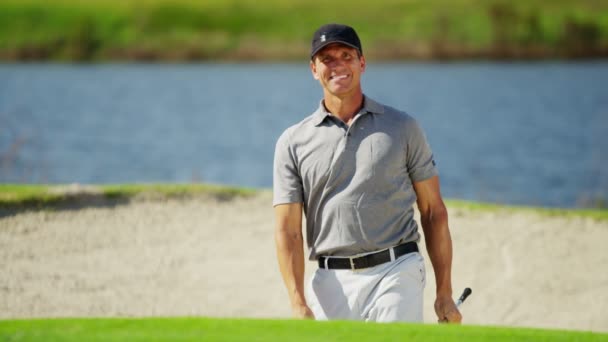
(323, 38)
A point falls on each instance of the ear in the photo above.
(362, 61)
(313, 69)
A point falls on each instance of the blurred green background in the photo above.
(188, 30)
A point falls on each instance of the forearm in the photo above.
(434, 219)
(439, 246)
(290, 254)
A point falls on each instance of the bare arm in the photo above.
(434, 217)
(290, 253)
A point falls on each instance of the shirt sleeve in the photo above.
(287, 183)
(420, 160)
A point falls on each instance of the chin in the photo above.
(340, 91)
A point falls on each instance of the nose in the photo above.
(336, 63)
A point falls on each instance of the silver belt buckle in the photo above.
(352, 263)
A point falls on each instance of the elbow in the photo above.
(441, 212)
(284, 235)
(434, 215)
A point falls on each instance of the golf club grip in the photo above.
(466, 293)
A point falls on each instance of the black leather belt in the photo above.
(369, 260)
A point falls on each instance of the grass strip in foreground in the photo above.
(208, 329)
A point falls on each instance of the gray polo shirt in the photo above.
(355, 182)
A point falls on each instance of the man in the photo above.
(356, 167)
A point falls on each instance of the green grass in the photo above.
(206, 329)
(40, 196)
(175, 190)
(281, 29)
(596, 214)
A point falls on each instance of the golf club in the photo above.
(466, 293)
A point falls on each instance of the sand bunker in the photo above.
(205, 257)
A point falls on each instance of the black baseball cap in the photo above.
(334, 33)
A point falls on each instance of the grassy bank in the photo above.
(596, 214)
(72, 30)
(18, 197)
(28, 196)
(203, 329)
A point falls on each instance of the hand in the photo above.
(446, 310)
(302, 312)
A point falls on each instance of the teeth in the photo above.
(339, 77)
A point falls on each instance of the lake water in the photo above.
(518, 133)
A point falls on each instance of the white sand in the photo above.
(203, 257)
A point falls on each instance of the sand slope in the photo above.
(204, 257)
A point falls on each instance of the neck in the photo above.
(344, 107)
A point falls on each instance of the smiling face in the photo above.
(338, 69)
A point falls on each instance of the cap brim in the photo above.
(320, 47)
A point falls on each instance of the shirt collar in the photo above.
(369, 106)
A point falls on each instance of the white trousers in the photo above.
(390, 292)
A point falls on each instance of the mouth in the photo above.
(338, 77)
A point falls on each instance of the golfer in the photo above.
(354, 168)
